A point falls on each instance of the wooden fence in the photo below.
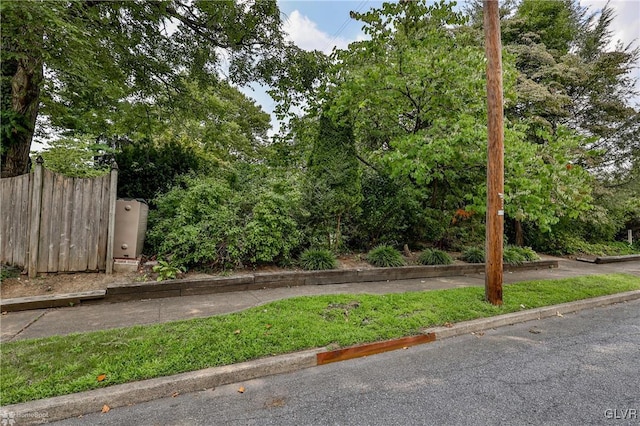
(53, 223)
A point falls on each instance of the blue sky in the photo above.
(328, 17)
(325, 24)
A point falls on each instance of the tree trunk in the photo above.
(338, 233)
(519, 233)
(25, 99)
(22, 80)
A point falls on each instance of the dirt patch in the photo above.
(61, 283)
(47, 284)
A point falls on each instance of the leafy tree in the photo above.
(416, 93)
(569, 77)
(147, 168)
(572, 87)
(218, 118)
(104, 58)
(415, 90)
(555, 24)
(207, 129)
(76, 157)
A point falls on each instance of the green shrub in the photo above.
(473, 255)
(434, 257)
(207, 222)
(318, 259)
(385, 256)
(272, 233)
(390, 211)
(167, 271)
(197, 224)
(8, 271)
(512, 256)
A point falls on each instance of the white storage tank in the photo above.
(130, 227)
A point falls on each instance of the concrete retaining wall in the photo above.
(191, 287)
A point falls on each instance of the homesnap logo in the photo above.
(8, 419)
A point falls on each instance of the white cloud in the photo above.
(625, 28)
(305, 34)
(626, 24)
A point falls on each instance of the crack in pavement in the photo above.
(29, 324)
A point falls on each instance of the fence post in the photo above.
(34, 227)
(113, 191)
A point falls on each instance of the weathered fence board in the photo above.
(94, 225)
(5, 246)
(15, 207)
(65, 229)
(46, 216)
(20, 253)
(104, 218)
(53, 223)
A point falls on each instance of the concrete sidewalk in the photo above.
(87, 317)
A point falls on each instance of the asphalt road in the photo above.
(580, 369)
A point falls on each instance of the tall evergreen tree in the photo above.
(332, 181)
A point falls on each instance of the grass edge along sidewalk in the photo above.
(41, 368)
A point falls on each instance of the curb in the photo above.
(73, 405)
(602, 260)
(191, 287)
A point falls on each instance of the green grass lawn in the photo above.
(40, 368)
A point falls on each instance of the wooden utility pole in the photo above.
(495, 155)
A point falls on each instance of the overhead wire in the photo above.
(345, 24)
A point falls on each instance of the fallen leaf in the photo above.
(236, 332)
(241, 389)
(105, 408)
(268, 326)
(534, 331)
(173, 395)
(559, 314)
(101, 377)
(448, 324)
